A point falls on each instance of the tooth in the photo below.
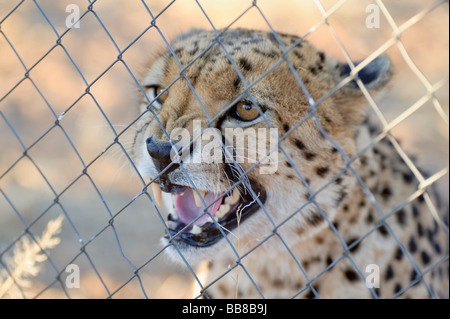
(223, 210)
(196, 230)
(198, 200)
(171, 224)
(234, 198)
(156, 193)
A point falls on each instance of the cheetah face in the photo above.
(239, 81)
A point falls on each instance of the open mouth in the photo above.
(198, 216)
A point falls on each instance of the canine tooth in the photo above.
(234, 198)
(223, 210)
(156, 193)
(198, 200)
(196, 230)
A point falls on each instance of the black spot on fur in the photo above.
(245, 64)
(437, 248)
(398, 254)
(408, 177)
(272, 54)
(315, 219)
(299, 144)
(236, 83)
(336, 225)
(195, 49)
(363, 160)
(327, 119)
(256, 40)
(178, 52)
(431, 233)
(288, 164)
(397, 288)
(322, 171)
(307, 197)
(378, 292)
(286, 127)
(351, 275)
(300, 230)
(389, 273)
(298, 54)
(277, 283)
(420, 230)
(415, 211)
(386, 193)
(273, 39)
(414, 275)
(350, 243)
(412, 245)
(342, 195)
(383, 230)
(322, 57)
(315, 69)
(309, 156)
(401, 217)
(369, 218)
(329, 261)
(425, 258)
(310, 295)
(421, 199)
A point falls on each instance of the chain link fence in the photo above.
(71, 198)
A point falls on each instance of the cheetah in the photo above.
(342, 216)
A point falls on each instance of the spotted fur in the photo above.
(329, 219)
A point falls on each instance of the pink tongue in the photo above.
(187, 210)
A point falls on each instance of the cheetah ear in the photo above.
(349, 99)
(374, 75)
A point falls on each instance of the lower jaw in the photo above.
(212, 232)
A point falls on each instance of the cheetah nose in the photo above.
(160, 153)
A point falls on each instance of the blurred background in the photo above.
(57, 152)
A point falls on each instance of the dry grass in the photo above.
(27, 258)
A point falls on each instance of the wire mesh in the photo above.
(66, 85)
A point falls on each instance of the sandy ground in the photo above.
(55, 89)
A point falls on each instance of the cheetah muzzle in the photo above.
(189, 223)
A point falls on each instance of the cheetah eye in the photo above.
(158, 94)
(245, 111)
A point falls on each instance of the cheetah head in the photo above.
(245, 81)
